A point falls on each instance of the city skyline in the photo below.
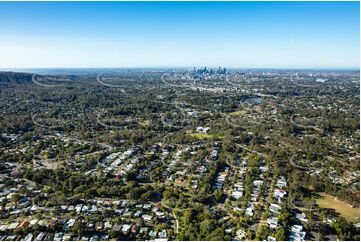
(316, 35)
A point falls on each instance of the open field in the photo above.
(206, 136)
(238, 113)
(346, 211)
(202, 136)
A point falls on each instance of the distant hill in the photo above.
(15, 77)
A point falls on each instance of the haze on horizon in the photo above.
(184, 34)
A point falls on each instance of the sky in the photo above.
(180, 34)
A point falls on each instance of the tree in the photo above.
(114, 234)
(249, 233)
(167, 193)
(280, 234)
(15, 198)
(262, 233)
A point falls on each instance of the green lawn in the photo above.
(202, 136)
(346, 211)
(206, 136)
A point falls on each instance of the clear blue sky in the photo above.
(154, 34)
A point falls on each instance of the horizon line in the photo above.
(185, 67)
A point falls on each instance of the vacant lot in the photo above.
(346, 211)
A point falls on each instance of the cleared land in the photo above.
(346, 211)
(202, 136)
(238, 113)
(206, 136)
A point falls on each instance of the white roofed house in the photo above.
(147, 206)
(64, 208)
(241, 234)
(137, 213)
(257, 183)
(201, 169)
(126, 228)
(160, 214)
(147, 217)
(78, 208)
(70, 223)
(40, 236)
(85, 209)
(220, 179)
(274, 208)
(237, 194)
(93, 209)
(263, 169)
(93, 238)
(301, 217)
(279, 194)
(272, 222)
(249, 210)
(237, 191)
(214, 154)
(296, 233)
(3, 227)
(203, 130)
(281, 182)
(270, 238)
(162, 234)
(33, 222)
(107, 225)
(144, 230)
(58, 236)
(13, 226)
(91, 225)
